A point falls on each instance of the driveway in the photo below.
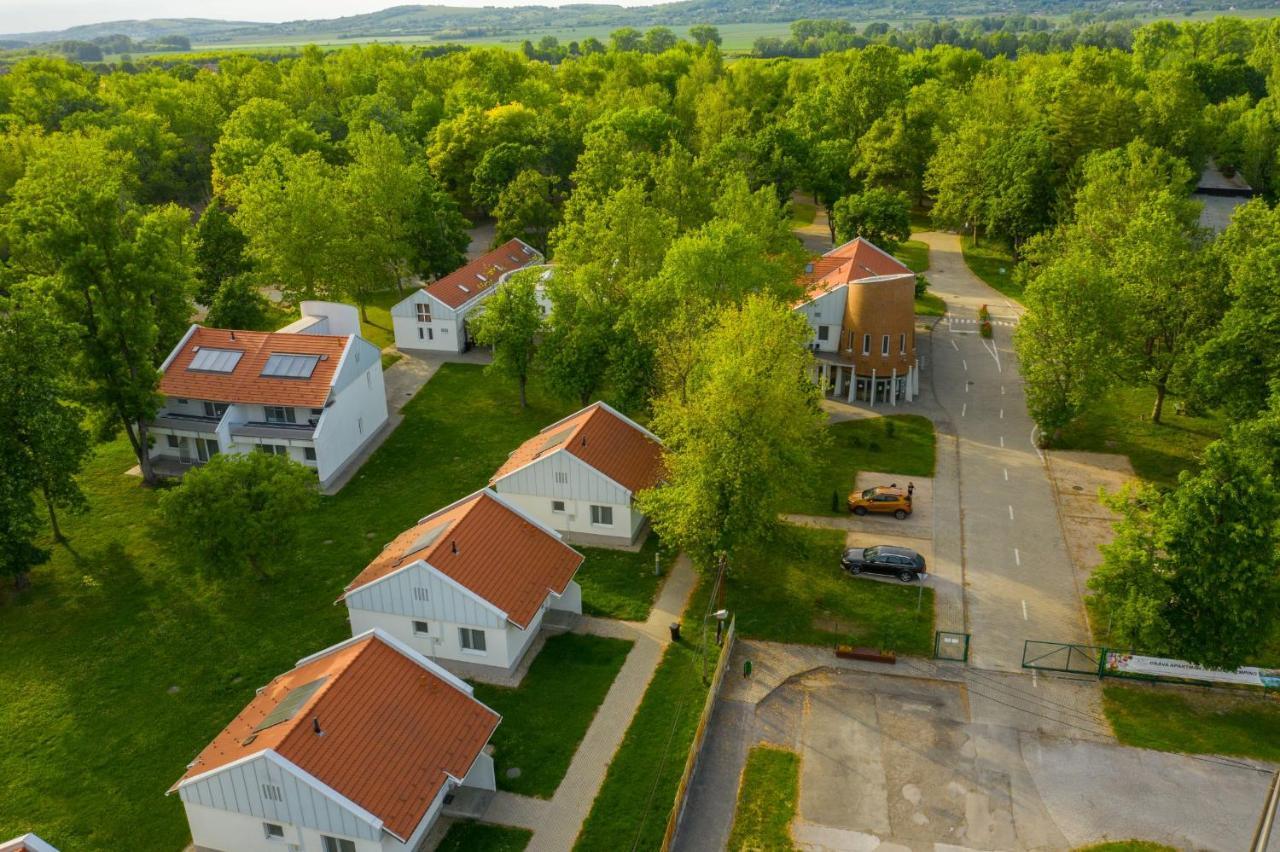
(1018, 578)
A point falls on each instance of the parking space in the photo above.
(917, 525)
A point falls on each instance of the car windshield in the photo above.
(871, 553)
(868, 494)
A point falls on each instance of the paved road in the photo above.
(1019, 582)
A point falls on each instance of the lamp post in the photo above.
(720, 616)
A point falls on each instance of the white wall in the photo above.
(228, 831)
(445, 330)
(577, 516)
(355, 414)
(826, 310)
(504, 646)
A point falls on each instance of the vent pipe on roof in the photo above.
(455, 548)
(315, 726)
(233, 335)
(584, 440)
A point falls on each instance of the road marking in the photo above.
(1017, 557)
(1034, 682)
(966, 363)
(1024, 611)
(1034, 445)
(1002, 390)
(1002, 440)
(963, 409)
(1002, 414)
(1006, 474)
(1011, 513)
(953, 346)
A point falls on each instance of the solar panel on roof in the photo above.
(215, 360)
(283, 366)
(555, 440)
(290, 704)
(428, 538)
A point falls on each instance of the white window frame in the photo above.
(598, 511)
(866, 344)
(824, 333)
(902, 344)
(884, 346)
(283, 414)
(422, 311)
(557, 506)
(173, 441)
(309, 453)
(266, 831)
(467, 641)
(329, 843)
(421, 628)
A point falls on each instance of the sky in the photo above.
(23, 16)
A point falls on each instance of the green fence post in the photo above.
(1102, 663)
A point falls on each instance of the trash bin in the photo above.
(675, 631)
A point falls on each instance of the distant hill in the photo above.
(454, 22)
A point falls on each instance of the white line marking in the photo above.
(1002, 390)
(1034, 682)
(1011, 513)
(1017, 557)
(1034, 445)
(953, 345)
(966, 363)
(1024, 611)
(1006, 474)
(1002, 414)
(1002, 440)
(966, 387)
(963, 409)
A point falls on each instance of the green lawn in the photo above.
(620, 584)
(545, 718)
(478, 837)
(1195, 721)
(766, 801)
(638, 794)
(1127, 846)
(1120, 422)
(120, 663)
(987, 259)
(915, 254)
(796, 591)
(389, 358)
(377, 329)
(898, 443)
(930, 305)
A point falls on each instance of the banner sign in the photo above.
(1134, 664)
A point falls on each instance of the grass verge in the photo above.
(479, 837)
(120, 650)
(1120, 422)
(915, 254)
(987, 260)
(1194, 721)
(767, 798)
(796, 591)
(930, 305)
(545, 718)
(620, 584)
(898, 443)
(377, 329)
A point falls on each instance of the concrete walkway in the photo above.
(556, 822)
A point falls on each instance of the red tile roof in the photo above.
(488, 547)
(394, 730)
(603, 439)
(245, 383)
(468, 281)
(856, 260)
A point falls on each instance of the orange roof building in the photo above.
(860, 303)
(580, 476)
(468, 585)
(434, 317)
(312, 391)
(354, 748)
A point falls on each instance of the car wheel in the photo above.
(859, 510)
(906, 576)
(853, 569)
(901, 514)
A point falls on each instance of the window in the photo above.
(902, 344)
(602, 516)
(562, 477)
(215, 409)
(182, 402)
(472, 640)
(337, 844)
(824, 332)
(424, 312)
(316, 412)
(173, 440)
(309, 453)
(279, 414)
(866, 344)
(884, 345)
(557, 505)
(273, 831)
(420, 593)
(420, 628)
(272, 793)
(273, 449)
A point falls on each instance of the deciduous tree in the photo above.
(510, 323)
(879, 215)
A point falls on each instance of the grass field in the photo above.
(1120, 422)
(897, 443)
(478, 837)
(120, 662)
(545, 718)
(767, 797)
(914, 254)
(1195, 721)
(992, 261)
(620, 584)
(796, 591)
(377, 329)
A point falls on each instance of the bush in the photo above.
(922, 284)
(985, 329)
(984, 313)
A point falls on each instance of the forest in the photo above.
(658, 177)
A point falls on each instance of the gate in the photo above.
(1064, 657)
(951, 646)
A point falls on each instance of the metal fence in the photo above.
(1064, 657)
(951, 646)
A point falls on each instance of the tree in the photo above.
(742, 438)
(659, 40)
(574, 353)
(42, 442)
(256, 126)
(626, 39)
(119, 274)
(1195, 573)
(240, 511)
(219, 252)
(879, 216)
(239, 304)
(705, 34)
(525, 210)
(438, 231)
(510, 323)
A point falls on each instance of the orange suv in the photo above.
(883, 499)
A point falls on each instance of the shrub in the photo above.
(986, 328)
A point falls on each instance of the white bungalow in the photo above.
(353, 750)
(580, 476)
(469, 583)
(434, 318)
(312, 391)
